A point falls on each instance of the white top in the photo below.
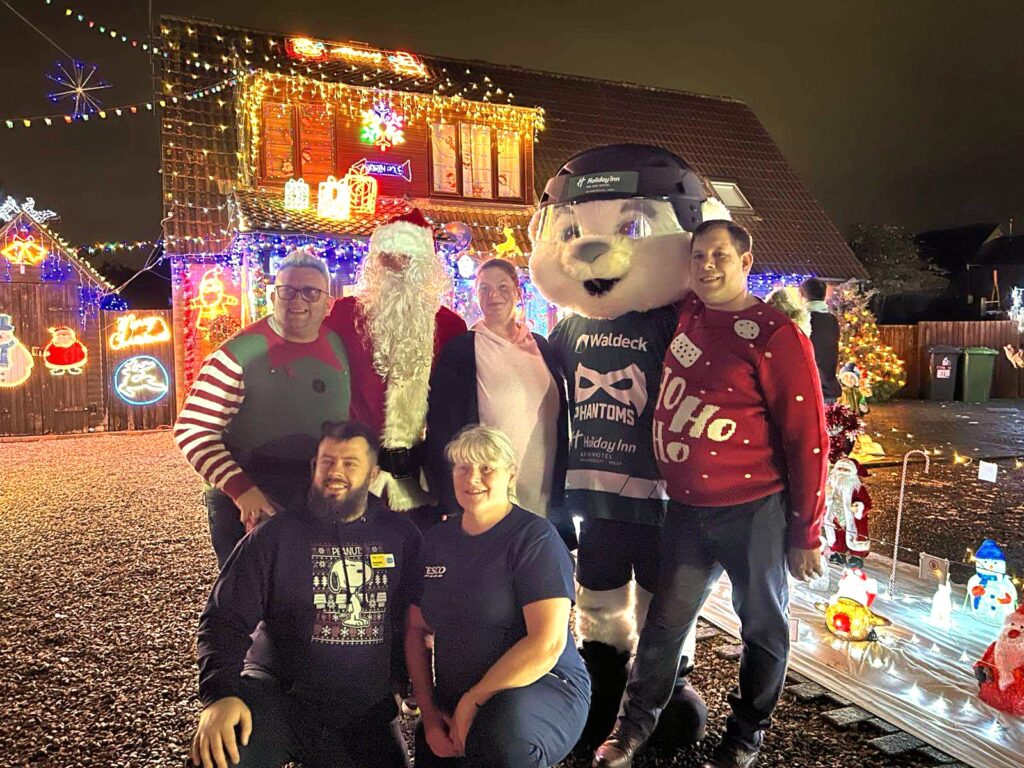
(516, 393)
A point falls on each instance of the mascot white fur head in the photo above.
(612, 234)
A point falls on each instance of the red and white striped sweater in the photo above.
(257, 408)
(214, 399)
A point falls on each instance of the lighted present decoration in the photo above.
(296, 195)
(362, 191)
(333, 200)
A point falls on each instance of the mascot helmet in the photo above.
(621, 171)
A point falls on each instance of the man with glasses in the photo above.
(251, 422)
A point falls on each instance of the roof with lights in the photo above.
(27, 241)
(720, 136)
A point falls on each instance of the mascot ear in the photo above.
(533, 227)
(713, 208)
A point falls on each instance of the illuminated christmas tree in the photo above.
(882, 371)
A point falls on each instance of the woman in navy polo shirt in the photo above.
(508, 686)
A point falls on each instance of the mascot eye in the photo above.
(635, 229)
(570, 233)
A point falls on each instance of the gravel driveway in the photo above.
(105, 565)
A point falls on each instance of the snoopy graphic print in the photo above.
(350, 593)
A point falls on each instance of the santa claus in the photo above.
(65, 353)
(1000, 672)
(847, 503)
(393, 327)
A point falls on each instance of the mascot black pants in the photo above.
(612, 552)
(748, 542)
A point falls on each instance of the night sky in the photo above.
(897, 111)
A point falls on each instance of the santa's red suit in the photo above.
(369, 390)
(395, 406)
(65, 352)
(1000, 671)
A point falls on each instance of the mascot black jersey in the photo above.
(613, 368)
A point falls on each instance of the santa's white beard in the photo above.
(399, 312)
(848, 484)
(400, 326)
(1009, 655)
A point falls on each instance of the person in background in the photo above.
(504, 684)
(251, 422)
(502, 375)
(326, 586)
(824, 337)
(740, 438)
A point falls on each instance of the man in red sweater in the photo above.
(740, 438)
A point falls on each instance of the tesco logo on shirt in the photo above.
(434, 571)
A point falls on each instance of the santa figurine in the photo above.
(65, 353)
(393, 328)
(1000, 671)
(847, 503)
(990, 592)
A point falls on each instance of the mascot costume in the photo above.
(611, 243)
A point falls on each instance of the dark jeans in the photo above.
(285, 729)
(226, 530)
(748, 541)
(531, 727)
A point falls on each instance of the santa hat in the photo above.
(408, 235)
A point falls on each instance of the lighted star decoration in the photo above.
(77, 84)
(383, 126)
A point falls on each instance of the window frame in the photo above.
(748, 208)
(458, 195)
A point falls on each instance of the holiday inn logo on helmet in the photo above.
(625, 183)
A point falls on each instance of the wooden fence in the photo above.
(911, 343)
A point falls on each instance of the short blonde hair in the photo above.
(477, 444)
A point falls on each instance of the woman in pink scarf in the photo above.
(502, 375)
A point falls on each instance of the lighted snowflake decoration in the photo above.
(383, 126)
(77, 84)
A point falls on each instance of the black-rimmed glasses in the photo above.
(308, 294)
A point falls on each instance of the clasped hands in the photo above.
(446, 735)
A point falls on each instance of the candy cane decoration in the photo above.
(899, 515)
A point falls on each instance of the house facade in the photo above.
(270, 142)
